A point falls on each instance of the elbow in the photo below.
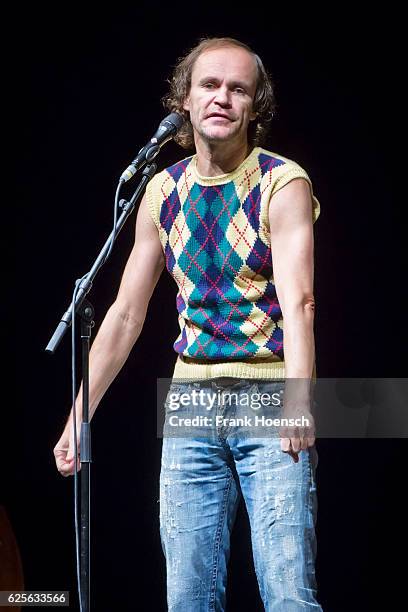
(303, 305)
(309, 303)
(129, 317)
(130, 320)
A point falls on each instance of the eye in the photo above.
(239, 90)
(208, 85)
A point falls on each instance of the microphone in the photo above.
(167, 129)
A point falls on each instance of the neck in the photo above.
(218, 158)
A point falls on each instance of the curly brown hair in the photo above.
(180, 82)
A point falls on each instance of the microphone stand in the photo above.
(86, 312)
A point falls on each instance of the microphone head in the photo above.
(175, 119)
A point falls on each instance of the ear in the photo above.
(253, 116)
(186, 104)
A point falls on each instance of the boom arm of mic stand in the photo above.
(86, 283)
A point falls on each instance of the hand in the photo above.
(64, 453)
(296, 438)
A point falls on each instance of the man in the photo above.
(217, 220)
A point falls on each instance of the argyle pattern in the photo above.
(215, 237)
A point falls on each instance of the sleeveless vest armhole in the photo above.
(152, 202)
(293, 173)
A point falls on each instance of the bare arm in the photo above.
(291, 226)
(123, 321)
(290, 218)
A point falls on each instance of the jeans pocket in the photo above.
(172, 401)
(271, 394)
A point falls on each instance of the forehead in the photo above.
(234, 62)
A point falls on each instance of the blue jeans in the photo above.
(201, 482)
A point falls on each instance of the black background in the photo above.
(89, 84)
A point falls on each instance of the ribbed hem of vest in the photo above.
(194, 370)
(187, 369)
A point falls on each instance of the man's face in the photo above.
(223, 86)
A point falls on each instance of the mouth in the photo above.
(218, 116)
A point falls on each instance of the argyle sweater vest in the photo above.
(215, 237)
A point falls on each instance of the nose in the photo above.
(222, 97)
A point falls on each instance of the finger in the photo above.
(295, 442)
(294, 455)
(285, 445)
(65, 470)
(69, 470)
(303, 443)
(65, 464)
(71, 453)
(286, 448)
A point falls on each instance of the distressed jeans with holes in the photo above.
(201, 482)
